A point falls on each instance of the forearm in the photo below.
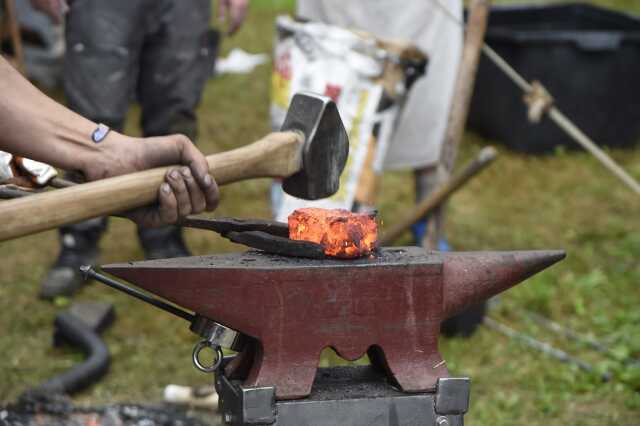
(35, 126)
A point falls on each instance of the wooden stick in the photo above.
(474, 40)
(440, 195)
(554, 113)
(276, 155)
(564, 123)
(583, 140)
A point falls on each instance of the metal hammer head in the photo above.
(325, 150)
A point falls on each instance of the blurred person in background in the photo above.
(161, 53)
(420, 132)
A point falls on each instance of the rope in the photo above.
(554, 113)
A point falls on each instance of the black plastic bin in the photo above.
(587, 57)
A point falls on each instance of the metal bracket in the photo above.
(245, 406)
(357, 396)
(216, 336)
(452, 395)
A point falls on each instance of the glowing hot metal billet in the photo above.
(341, 233)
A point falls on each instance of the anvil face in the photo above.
(393, 302)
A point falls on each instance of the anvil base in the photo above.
(349, 396)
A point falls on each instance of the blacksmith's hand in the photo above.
(234, 11)
(189, 189)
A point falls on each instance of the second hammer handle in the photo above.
(276, 155)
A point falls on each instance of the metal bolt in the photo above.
(442, 421)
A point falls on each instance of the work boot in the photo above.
(78, 246)
(163, 243)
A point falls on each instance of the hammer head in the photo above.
(325, 149)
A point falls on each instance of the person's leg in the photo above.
(426, 181)
(99, 76)
(176, 61)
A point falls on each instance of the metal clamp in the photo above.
(196, 356)
(216, 336)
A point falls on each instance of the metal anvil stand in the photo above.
(354, 396)
(350, 395)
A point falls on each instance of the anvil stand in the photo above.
(355, 395)
(350, 395)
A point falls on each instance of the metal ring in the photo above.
(196, 353)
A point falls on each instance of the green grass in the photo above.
(562, 201)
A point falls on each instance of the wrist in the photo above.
(115, 154)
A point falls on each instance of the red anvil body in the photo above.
(393, 302)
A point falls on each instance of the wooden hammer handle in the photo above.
(276, 155)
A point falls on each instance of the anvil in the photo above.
(389, 306)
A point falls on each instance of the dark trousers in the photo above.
(155, 51)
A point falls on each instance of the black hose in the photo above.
(82, 375)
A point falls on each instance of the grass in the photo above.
(562, 201)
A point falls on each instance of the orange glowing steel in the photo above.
(342, 233)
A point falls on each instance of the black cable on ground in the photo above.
(82, 375)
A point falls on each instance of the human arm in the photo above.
(35, 126)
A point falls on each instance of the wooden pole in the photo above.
(474, 40)
(565, 124)
(440, 195)
(583, 140)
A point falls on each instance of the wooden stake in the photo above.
(474, 40)
(440, 195)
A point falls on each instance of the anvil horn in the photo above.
(471, 277)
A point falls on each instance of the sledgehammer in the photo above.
(309, 152)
